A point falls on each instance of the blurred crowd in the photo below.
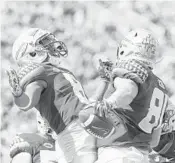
(87, 28)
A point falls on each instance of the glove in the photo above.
(14, 82)
(19, 145)
(18, 79)
(105, 69)
(102, 108)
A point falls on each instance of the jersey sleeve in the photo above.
(25, 142)
(130, 69)
(126, 91)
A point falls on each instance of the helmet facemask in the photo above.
(39, 46)
(49, 43)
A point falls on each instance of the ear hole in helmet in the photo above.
(49, 131)
(59, 47)
(122, 52)
(40, 42)
(135, 35)
(39, 122)
(32, 54)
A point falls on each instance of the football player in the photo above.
(53, 91)
(136, 103)
(34, 147)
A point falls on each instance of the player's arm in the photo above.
(127, 76)
(126, 91)
(100, 91)
(104, 67)
(31, 95)
(24, 85)
(22, 157)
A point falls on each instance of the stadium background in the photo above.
(87, 28)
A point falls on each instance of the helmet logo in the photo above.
(149, 44)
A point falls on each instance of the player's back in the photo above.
(149, 104)
(144, 113)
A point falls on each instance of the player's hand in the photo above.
(99, 108)
(25, 74)
(105, 69)
(102, 108)
(14, 82)
(103, 65)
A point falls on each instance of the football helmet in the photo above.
(37, 45)
(139, 44)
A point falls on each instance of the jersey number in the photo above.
(157, 108)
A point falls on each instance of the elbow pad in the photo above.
(130, 69)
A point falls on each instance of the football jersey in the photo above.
(63, 98)
(42, 149)
(144, 113)
(149, 105)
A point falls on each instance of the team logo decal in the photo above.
(48, 145)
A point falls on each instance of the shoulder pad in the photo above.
(131, 69)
